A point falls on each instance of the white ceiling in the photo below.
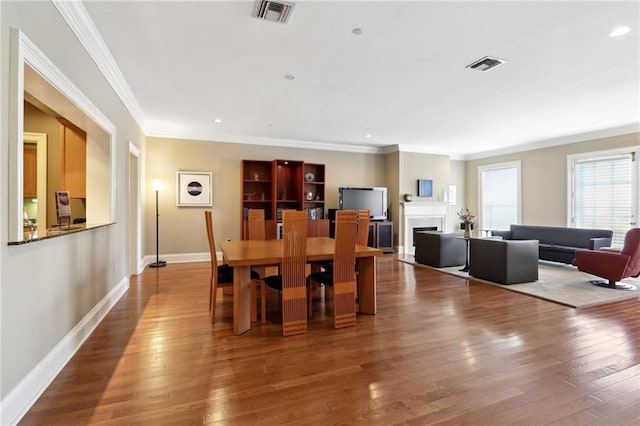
(403, 80)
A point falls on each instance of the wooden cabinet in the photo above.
(288, 186)
(73, 157)
(278, 185)
(313, 190)
(30, 170)
(381, 236)
(257, 188)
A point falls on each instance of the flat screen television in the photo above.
(374, 199)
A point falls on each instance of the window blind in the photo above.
(499, 198)
(603, 194)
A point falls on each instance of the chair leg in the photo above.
(214, 293)
(210, 293)
(263, 302)
(309, 299)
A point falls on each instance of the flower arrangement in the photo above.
(466, 216)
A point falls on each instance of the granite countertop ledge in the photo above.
(30, 237)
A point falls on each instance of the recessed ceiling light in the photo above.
(217, 121)
(290, 77)
(357, 31)
(368, 136)
(620, 31)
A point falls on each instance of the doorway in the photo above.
(135, 251)
(39, 204)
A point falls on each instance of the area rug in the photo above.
(558, 283)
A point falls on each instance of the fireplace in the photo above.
(423, 228)
(421, 215)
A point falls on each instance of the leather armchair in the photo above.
(440, 250)
(612, 264)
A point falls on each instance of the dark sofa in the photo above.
(559, 244)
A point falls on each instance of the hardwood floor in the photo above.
(441, 350)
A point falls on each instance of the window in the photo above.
(499, 191)
(602, 191)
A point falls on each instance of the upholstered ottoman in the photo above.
(503, 261)
(439, 250)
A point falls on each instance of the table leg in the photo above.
(367, 285)
(241, 299)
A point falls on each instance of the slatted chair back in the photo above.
(215, 281)
(344, 277)
(256, 225)
(293, 271)
(363, 227)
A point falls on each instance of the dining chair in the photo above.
(364, 219)
(291, 281)
(362, 238)
(221, 275)
(256, 231)
(343, 276)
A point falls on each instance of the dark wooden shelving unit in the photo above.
(278, 185)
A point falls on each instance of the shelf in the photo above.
(269, 181)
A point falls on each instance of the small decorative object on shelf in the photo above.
(466, 221)
(63, 208)
(309, 177)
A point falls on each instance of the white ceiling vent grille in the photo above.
(276, 11)
(485, 64)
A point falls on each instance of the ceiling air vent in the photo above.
(485, 64)
(276, 11)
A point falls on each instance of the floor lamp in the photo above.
(158, 263)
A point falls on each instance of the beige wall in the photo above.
(544, 177)
(457, 177)
(182, 228)
(49, 287)
(392, 182)
(439, 168)
(414, 166)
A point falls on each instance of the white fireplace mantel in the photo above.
(418, 215)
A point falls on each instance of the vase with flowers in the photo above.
(466, 221)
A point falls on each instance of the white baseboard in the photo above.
(180, 258)
(17, 402)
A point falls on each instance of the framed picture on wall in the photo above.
(194, 189)
(425, 188)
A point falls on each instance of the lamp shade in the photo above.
(157, 184)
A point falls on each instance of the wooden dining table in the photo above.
(244, 254)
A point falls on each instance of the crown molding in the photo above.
(76, 16)
(563, 140)
(263, 141)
